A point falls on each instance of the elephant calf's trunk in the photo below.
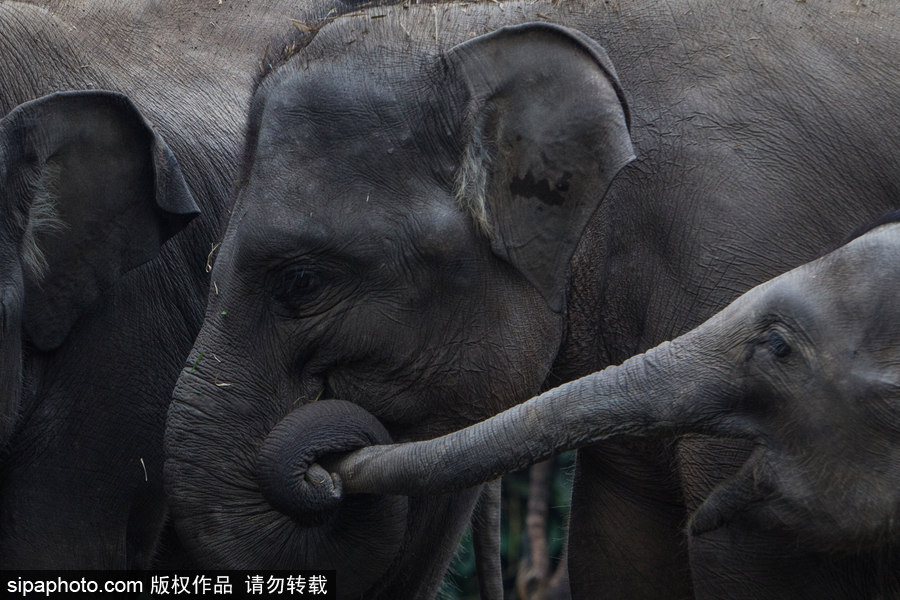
(573, 415)
(647, 395)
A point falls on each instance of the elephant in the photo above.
(97, 311)
(89, 192)
(805, 365)
(430, 223)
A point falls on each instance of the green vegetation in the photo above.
(462, 583)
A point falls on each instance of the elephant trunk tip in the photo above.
(289, 472)
(305, 492)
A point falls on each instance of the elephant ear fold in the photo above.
(10, 350)
(92, 192)
(545, 132)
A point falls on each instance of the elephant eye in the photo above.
(777, 345)
(296, 284)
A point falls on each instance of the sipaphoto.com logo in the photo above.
(60, 586)
(189, 584)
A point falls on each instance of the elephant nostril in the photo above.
(316, 475)
(327, 484)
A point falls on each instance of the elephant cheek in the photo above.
(245, 493)
(832, 506)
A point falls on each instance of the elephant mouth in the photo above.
(244, 481)
(322, 390)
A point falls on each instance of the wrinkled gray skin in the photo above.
(322, 287)
(93, 334)
(360, 264)
(807, 365)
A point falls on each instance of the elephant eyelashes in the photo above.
(771, 344)
(296, 285)
(777, 345)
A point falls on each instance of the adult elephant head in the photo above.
(807, 364)
(88, 192)
(410, 259)
(103, 336)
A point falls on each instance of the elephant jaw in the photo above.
(778, 489)
(243, 494)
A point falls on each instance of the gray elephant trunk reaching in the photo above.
(652, 393)
(769, 367)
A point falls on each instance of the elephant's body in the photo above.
(81, 475)
(762, 134)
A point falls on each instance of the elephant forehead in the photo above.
(357, 117)
(321, 211)
(880, 249)
(845, 300)
(322, 138)
(862, 279)
(338, 158)
(354, 213)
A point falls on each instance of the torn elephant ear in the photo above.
(545, 133)
(94, 192)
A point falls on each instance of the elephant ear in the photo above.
(92, 192)
(546, 131)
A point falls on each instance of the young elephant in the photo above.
(807, 365)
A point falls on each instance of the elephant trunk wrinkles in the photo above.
(287, 472)
(659, 391)
(243, 492)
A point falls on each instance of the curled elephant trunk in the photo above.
(656, 392)
(243, 494)
(287, 474)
